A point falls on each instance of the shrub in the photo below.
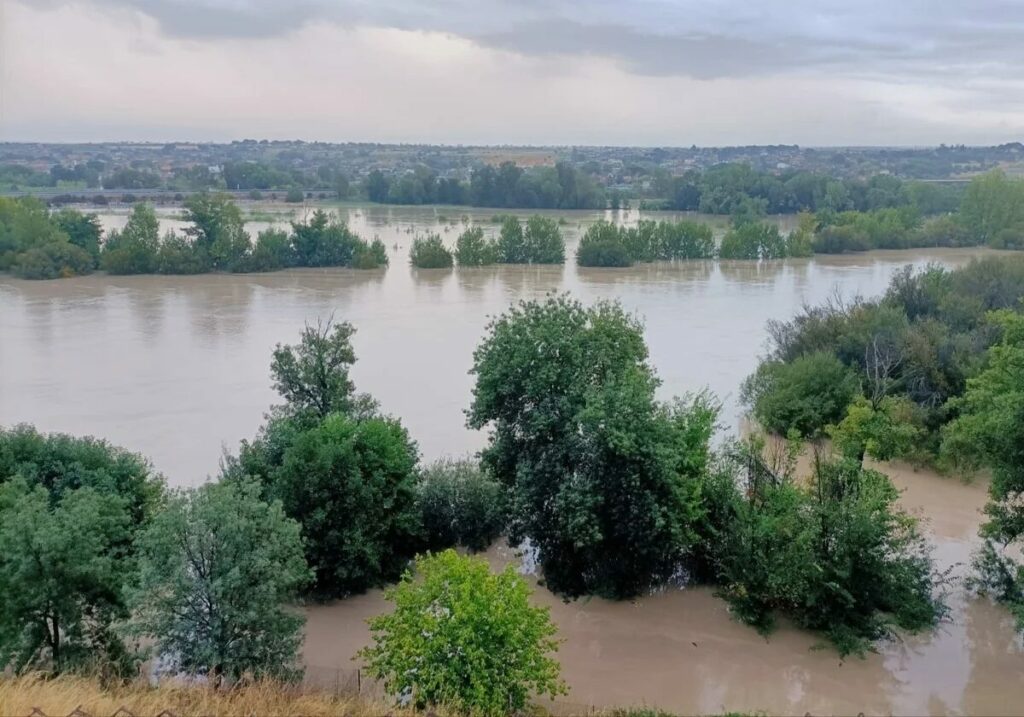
(753, 240)
(464, 639)
(603, 244)
(54, 260)
(178, 255)
(511, 243)
(430, 253)
(804, 395)
(473, 249)
(543, 242)
(294, 196)
(273, 250)
(460, 504)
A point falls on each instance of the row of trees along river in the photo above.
(36, 243)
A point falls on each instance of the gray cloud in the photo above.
(694, 38)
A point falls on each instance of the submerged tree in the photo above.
(601, 476)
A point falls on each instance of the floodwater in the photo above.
(177, 368)
(680, 650)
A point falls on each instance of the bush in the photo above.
(511, 244)
(753, 241)
(430, 253)
(473, 249)
(294, 196)
(370, 256)
(805, 395)
(603, 244)
(543, 242)
(460, 504)
(53, 261)
(839, 557)
(178, 255)
(273, 250)
(464, 639)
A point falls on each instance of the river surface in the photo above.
(177, 368)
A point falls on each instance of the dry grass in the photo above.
(61, 696)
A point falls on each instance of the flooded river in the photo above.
(177, 368)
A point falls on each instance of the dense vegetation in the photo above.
(464, 638)
(36, 244)
(607, 244)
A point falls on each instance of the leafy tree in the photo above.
(511, 244)
(62, 566)
(217, 569)
(83, 230)
(603, 245)
(429, 252)
(460, 504)
(473, 249)
(179, 255)
(753, 240)
(312, 377)
(601, 477)
(993, 207)
(884, 432)
(294, 196)
(465, 639)
(134, 249)
(351, 484)
(805, 395)
(543, 242)
(377, 186)
(322, 241)
(989, 431)
(273, 250)
(838, 556)
(54, 260)
(370, 256)
(217, 229)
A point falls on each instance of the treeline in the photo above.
(563, 186)
(36, 244)
(931, 372)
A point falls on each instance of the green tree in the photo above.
(989, 431)
(312, 376)
(543, 242)
(217, 570)
(83, 230)
(511, 242)
(465, 639)
(62, 567)
(217, 229)
(884, 432)
(460, 504)
(993, 206)
(351, 484)
(134, 249)
(805, 395)
(753, 240)
(603, 244)
(473, 249)
(602, 478)
(322, 241)
(429, 252)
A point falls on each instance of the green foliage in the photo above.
(992, 210)
(838, 556)
(294, 196)
(602, 245)
(217, 230)
(851, 231)
(134, 249)
(54, 260)
(473, 249)
(543, 242)
(178, 255)
(370, 256)
(83, 230)
(989, 431)
(62, 566)
(804, 395)
(218, 568)
(753, 240)
(886, 431)
(511, 244)
(465, 639)
(602, 478)
(312, 377)
(273, 250)
(460, 505)
(322, 241)
(429, 252)
(69, 508)
(351, 484)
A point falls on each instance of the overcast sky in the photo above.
(644, 72)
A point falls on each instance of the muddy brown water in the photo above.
(177, 368)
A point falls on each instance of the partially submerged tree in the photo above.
(463, 638)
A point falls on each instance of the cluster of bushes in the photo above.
(35, 244)
(608, 244)
(538, 242)
(217, 241)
